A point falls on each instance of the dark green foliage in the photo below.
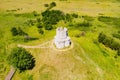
(17, 31)
(68, 17)
(110, 20)
(101, 37)
(88, 18)
(48, 26)
(40, 30)
(14, 31)
(21, 59)
(51, 18)
(116, 35)
(39, 25)
(38, 20)
(108, 41)
(105, 19)
(118, 32)
(50, 6)
(53, 4)
(35, 13)
(74, 15)
(46, 5)
(84, 24)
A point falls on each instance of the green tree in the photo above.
(21, 59)
(14, 31)
(51, 18)
(51, 5)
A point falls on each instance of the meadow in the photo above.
(87, 60)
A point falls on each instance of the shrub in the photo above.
(14, 31)
(105, 19)
(74, 15)
(46, 5)
(110, 20)
(108, 41)
(88, 18)
(68, 17)
(51, 18)
(84, 24)
(40, 30)
(39, 25)
(51, 5)
(18, 31)
(116, 35)
(21, 59)
(35, 13)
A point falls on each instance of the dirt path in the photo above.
(49, 44)
(11, 73)
(37, 46)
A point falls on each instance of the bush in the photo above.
(18, 31)
(110, 20)
(35, 13)
(48, 27)
(53, 4)
(105, 19)
(39, 25)
(75, 15)
(50, 6)
(40, 30)
(51, 18)
(116, 35)
(84, 24)
(21, 59)
(88, 18)
(101, 37)
(46, 5)
(14, 31)
(108, 41)
(68, 17)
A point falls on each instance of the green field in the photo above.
(86, 60)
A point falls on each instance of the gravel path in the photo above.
(10, 74)
(49, 44)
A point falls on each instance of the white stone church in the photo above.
(62, 39)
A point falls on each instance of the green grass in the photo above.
(87, 60)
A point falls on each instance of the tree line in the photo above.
(109, 42)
